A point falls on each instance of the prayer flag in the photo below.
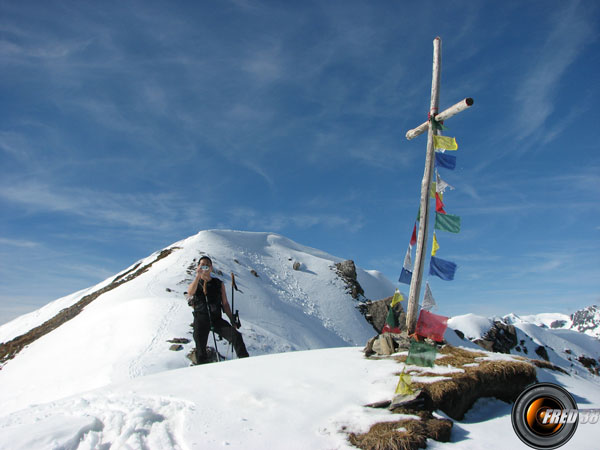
(407, 259)
(397, 298)
(404, 386)
(438, 125)
(428, 300)
(413, 238)
(442, 268)
(431, 325)
(447, 222)
(439, 206)
(421, 354)
(435, 247)
(445, 161)
(445, 142)
(391, 324)
(441, 185)
(405, 276)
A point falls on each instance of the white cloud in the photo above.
(103, 208)
(571, 30)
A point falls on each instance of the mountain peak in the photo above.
(118, 329)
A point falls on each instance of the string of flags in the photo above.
(430, 325)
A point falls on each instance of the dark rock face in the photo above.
(587, 319)
(500, 338)
(376, 312)
(558, 324)
(542, 352)
(347, 271)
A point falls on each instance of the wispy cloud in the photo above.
(18, 243)
(253, 219)
(571, 31)
(102, 208)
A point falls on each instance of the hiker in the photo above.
(206, 287)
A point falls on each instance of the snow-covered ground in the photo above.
(296, 400)
(107, 379)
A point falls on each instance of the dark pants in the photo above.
(222, 328)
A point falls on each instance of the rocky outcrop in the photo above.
(500, 338)
(347, 272)
(376, 312)
(587, 321)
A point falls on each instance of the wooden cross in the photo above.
(415, 284)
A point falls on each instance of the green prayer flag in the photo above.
(421, 354)
(391, 323)
(447, 222)
(438, 125)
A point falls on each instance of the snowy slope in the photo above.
(298, 400)
(564, 346)
(122, 334)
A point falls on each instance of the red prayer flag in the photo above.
(431, 325)
(439, 206)
(413, 238)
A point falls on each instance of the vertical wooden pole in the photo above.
(415, 284)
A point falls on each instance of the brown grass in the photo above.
(503, 380)
(386, 435)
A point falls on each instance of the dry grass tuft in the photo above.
(391, 435)
(504, 380)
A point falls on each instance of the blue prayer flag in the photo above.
(405, 276)
(445, 161)
(442, 268)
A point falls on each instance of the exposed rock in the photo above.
(383, 345)
(387, 344)
(587, 321)
(590, 364)
(558, 324)
(376, 312)
(347, 271)
(176, 347)
(500, 338)
(179, 341)
(542, 352)
(297, 265)
(253, 272)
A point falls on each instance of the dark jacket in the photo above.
(215, 300)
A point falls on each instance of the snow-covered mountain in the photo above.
(532, 337)
(122, 330)
(95, 370)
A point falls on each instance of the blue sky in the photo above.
(126, 126)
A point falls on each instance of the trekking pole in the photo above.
(212, 327)
(236, 317)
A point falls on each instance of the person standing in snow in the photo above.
(207, 296)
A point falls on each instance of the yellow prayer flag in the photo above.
(435, 247)
(445, 142)
(432, 190)
(398, 297)
(404, 385)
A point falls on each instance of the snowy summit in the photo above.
(123, 332)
